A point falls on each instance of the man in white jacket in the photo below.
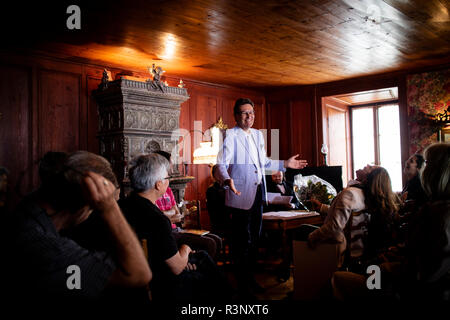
(241, 167)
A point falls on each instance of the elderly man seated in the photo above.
(277, 184)
(178, 273)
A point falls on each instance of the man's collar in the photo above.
(240, 130)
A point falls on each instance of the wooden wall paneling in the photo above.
(279, 119)
(192, 169)
(259, 117)
(303, 126)
(317, 132)
(300, 100)
(16, 129)
(35, 124)
(227, 111)
(268, 132)
(206, 111)
(93, 78)
(83, 97)
(60, 111)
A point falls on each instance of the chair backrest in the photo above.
(355, 234)
(191, 214)
(313, 269)
(219, 216)
(145, 249)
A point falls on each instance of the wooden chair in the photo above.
(355, 233)
(313, 269)
(145, 249)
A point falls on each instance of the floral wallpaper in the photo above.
(427, 94)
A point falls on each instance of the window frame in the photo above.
(375, 106)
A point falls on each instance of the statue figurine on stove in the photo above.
(156, 73)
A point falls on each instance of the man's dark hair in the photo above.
(164, 154)
(419, 160)
(240, 102)
(62, 178)
(51, 164)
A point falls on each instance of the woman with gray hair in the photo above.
(176, 275)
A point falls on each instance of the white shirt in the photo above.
(254, 153)
(281, 188)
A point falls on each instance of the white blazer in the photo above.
(234, 161)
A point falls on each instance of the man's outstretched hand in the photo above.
(293, 163)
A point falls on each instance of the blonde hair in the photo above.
(435, 174)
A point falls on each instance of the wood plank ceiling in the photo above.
(244, 43)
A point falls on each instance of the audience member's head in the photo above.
(51, 165)
(361, 174)
(168, 156)
(214, 172)
(149, 172)
(164, 154)
(63, 175)
(379, 192)
(382, 204)
(435, 174)
(277, 177)
(413, 165)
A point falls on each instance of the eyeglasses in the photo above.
(168, 178)
(247, 113)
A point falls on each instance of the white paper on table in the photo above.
(277, 198)
(287, 215)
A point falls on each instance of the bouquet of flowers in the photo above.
(308, 187)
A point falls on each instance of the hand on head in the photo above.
(100, 192)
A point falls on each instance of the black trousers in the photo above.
(246, 231)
